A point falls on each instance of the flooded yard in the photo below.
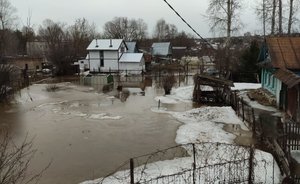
(85, 133)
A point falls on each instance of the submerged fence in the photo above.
(191, 163)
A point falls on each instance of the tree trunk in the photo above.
(229, 18)
(291, 16)
(264, 17)
(280, 16)
(273, 17)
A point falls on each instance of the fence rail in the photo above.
(189, 163)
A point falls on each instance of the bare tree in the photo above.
(58, 45)
(163, 30)
(292, 19)
(280, 17)
(291, 14)
(15, 160)
(223, 15)
(123, 28)
(7, 15)
(80, 35)
(274, 5)
(275, 12)
(266, 11)
(141, 30)
(7, 19)
(5, 85)
(52, 32)
(28, 34)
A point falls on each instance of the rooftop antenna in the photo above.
(97, 43)
(110, 45)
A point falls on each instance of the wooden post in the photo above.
(158, 104)
(194, 164)
(238, 106)
(236, 101)
(243, 111)
(131, 171)
(251, 165)
(253, 124)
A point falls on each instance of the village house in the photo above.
(112, 55)
(132, 47)
(161, 52)
(281, 73)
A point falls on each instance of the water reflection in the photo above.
(10, 118)
(88, 133)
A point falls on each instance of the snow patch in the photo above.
(166, 100)
(104, 116)
(244, 86)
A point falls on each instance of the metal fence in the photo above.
(189, 163)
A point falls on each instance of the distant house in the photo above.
(281, 72)
(111, 55)
(161, 52)
(37, 49)
(179, 52)
(31, 64)
(132, 47)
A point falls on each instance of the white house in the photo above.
(105, 55)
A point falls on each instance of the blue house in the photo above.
(281, 72)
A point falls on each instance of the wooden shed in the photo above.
(210, 89)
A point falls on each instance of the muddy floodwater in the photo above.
(86, 134)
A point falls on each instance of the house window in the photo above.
(101, 58)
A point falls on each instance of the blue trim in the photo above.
(268, 81)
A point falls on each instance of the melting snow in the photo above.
(103, 116)
(201, 125)
(243, 86)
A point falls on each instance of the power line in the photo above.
(188, 24)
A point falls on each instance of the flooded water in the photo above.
(87, 134)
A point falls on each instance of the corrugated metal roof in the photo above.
(131, 57)
(287, 77)
(105, 44)
(284, 52)
(161, 49)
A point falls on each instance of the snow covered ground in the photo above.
(245, 86)
(203, 124)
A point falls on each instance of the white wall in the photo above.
(110, 55)
(83, 64)
(131, 66)
(278, 89)
(110, 61)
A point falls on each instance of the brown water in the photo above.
(80, 147)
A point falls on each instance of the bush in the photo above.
(168, 82)
(15, 159)
(52, 87)
(5, 81)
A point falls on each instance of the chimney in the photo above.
(110, 45)
(97, 43)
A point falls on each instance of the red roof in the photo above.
(284, 52)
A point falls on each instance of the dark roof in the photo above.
(212, 81)
(287, 77)
(284, 52)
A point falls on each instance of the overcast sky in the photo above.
(101, 11)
